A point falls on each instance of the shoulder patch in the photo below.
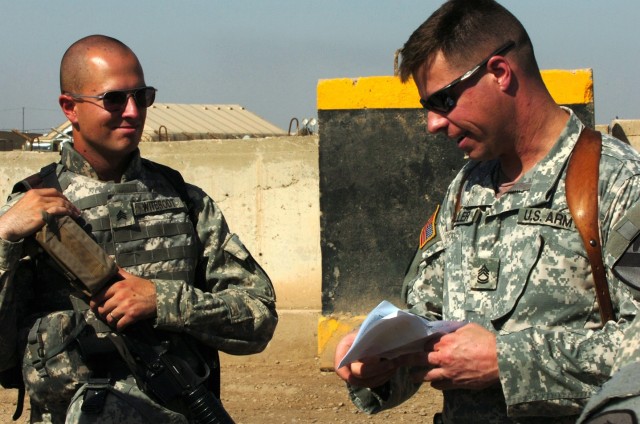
(428, 232)
(624, 246)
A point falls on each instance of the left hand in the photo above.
(126, 301)
(464, 359)
(371, 372)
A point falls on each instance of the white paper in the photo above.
(389, 332)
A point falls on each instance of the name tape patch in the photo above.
(466, 216)
(154, 206)
(545, 217)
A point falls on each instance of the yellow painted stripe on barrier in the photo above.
(367, 93)
(331, 329)
(387, 92)
(569, 87)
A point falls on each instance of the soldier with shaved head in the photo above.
(180, 268)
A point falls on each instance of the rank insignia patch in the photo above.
(429, 230)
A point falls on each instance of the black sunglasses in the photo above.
(116, 100)
(444, 100)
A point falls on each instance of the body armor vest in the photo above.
(146, 224)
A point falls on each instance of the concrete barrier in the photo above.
(381, 177)
(627, 130)
(268, 191)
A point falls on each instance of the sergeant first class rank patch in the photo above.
(429, 230)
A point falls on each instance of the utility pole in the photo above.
(23, 119)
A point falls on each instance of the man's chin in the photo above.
(128, 143)
(122, 147)
(477, 156)
(472, 154)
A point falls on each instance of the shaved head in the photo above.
(105, 137)
(75, 66)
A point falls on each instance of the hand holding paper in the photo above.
(389, 332)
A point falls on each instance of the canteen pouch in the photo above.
(53, 368)
(82, 260)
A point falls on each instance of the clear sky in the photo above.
(269, 55)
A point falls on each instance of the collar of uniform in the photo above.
(74, 162)
(479, 188)
(537, 186)
(135, 167)
(545, 175)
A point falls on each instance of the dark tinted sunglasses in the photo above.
(116, 100)
(444, 100)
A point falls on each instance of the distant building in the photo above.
(15, 140)
(176, 122)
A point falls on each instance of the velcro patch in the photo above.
(542, 216)
(466, 216)
(120, 214)
(624, 246)
(428, 232)
(486, 272)
(155, 206)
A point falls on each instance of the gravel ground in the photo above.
(288, 392)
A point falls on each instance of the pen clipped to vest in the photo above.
(163, 375)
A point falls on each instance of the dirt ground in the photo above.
(288, 392)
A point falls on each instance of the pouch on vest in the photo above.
(117, 403)
(83, 261)
(53, 368)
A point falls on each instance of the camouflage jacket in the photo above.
(517, 266)
(208, 285)
(619, 398)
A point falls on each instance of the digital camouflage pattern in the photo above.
(208, 285)
(52, 382)
(517, 266)
(619, 398)
(124, 403)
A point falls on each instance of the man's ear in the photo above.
(501, 71)
(68, 106)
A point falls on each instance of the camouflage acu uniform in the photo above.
(208, 285)
(619, 398)
(517, 266)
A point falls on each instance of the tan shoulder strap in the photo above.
(582, 198)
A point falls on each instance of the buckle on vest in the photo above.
(95, 396)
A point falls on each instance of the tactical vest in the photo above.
(147, 225)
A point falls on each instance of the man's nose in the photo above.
(436, 122)
(131, 107)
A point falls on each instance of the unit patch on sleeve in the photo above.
(428, 232)
(624, 246)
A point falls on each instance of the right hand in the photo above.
(126, 301)
(25, 217)
(372, 372)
